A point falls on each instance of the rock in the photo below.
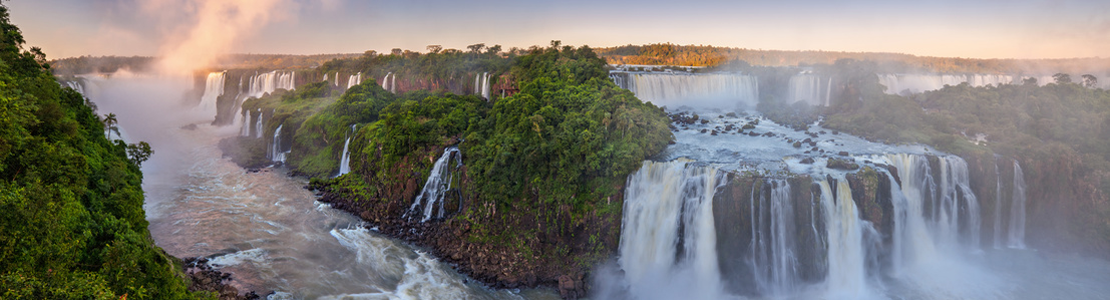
(842, 153)
(797, 144)
(807, 160)
(841, 164)
(571, 287)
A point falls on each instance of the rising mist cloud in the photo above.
(205, 29)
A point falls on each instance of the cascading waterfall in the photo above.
(918, 83)
(275, 153)
(336, 78)
(997, 207)
(213, 89)
(325, 77)
(954, 187)
(845, 233)
(354, 80)
(808, 88)
(265, 83)
(385, 81)
(393, 84)
(438, 184)
(345, 161)
(719, 90)
(1017, 210)
(774, 260)
(912, 242)
(661, 199)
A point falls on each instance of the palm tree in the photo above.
(111, 124)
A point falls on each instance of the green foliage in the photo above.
(569, 137)
(73, 225)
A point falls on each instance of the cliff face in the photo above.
(1066, 208)
(503, 247)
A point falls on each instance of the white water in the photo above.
(485, 85)
(997, 207)
(438, 184)
(276, 154)
(246, 130)
(258, 125)
(263, 226)
(918, 83)
(1017, 211)
(345, 161)
(659, 197)
(389, 82)
(695, 90)
(847, 277)
(774, 259)
(213, 89)
(810, 89)
(354, 80)
(265, 83)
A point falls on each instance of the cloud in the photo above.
(201, 30)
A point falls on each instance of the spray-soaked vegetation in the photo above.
(538, 166)
(73, 225)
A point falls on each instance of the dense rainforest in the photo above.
(73, 225)
(535, 196)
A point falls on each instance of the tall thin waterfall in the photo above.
(387, 84)
(1017, 210)
(438, 184)
(662, 199)
(276, 154)
(808, 88)
(246, 130)
(325, 77)
(704, 90)
(345, 161)
(997, 207)
(774, 236)
(336, 78)
(485, 85)
(847, 256)
(213, 89)
(258, 125)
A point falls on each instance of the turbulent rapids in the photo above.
(742, 207)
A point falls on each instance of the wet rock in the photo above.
(842, 164)
(842, 153)
(807, 160)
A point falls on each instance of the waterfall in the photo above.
(438, 184)
(266, 83)
(354, 80)
(485, 85)
(662, 199)
(847, 277)
(246, 130)
(954, 187)
(393, 84)
(477, 84)
(213, 89)
(325, 77)
(997, 207)
(774, 259)
(917, 83)
(702, 90)
(808, 88)
(385, 82)
(1017, 210)
(336, 78)
(275, 153)
(258, 125)
(345, 161)
(912, 242)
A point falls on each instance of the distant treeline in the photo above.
(109, 64)
(690, 55)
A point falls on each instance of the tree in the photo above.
(139, 153)
(111, 125)
(397, 51)
(476, 48)
(1090, 81)
(1061, 78)
(434, 48)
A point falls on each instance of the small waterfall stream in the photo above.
(1017, 211)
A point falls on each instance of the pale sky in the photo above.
(964, 28)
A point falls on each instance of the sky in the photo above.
(191, 29)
